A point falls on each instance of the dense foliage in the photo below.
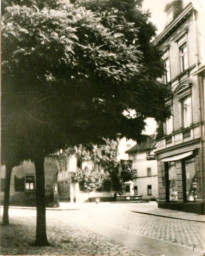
(68, 71)
(71, 74)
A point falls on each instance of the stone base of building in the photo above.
(196, 207)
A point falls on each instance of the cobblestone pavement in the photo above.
(66, 239)
(75, 239)
(185, 233)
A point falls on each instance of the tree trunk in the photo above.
(41, 237)
(6, 195)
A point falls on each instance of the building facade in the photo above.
(180, 144)
(144, 166)
(23, 183)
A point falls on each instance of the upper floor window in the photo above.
(135, 173)
(149, 172)
(169, 122)
(167, 70)
(183, 56)
(186, 112)
(169, 125)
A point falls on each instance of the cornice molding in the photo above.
(181, 145)
(184, 15)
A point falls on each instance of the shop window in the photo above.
(191, 180)
(183, 57)
(186, 112)
(135, 190)
(172, 182)
(19, 184)
(149, 172)
(30, 183)
(149, 190)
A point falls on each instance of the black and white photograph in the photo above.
(102, 128)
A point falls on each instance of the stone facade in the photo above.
(180, 148)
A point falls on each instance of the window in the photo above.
(149, 190)
(186, 112)
(169, 123)
(183, 57)
(19, 184)
(135, 173)
(135, 190)
(167, 70)
(127, 189)
(149, 172)
(172, 181)
(191, 180)
(30, 184)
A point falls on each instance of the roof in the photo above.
(149, 144)
(174, 24)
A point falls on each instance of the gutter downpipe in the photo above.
(201, 108)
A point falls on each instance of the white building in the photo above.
(144, 165)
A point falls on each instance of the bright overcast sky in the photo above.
(156, 8)
(158, 18)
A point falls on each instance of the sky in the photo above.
(158, 18)
(156, 8)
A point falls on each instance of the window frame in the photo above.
(149, 169)
(30, 189)
(167, 76)
(135, 189)
(183, 56)
(166, 59)
(135, 172)
(188, 114)
(149, 190)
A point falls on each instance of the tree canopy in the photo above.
(69, 74)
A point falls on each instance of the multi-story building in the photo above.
(180, 147)
(144, 166)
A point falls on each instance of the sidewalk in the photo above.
(152, 209)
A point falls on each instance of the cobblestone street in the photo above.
(182, 232)
(65, 238)
(81, 232)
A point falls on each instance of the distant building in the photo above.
(23, 183)
(144, 166)
(180, 144)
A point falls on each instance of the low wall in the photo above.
(92, 196)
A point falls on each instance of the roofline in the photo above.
(130, 151)
(171, 26)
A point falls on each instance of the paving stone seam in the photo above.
(168, 217)
(182, 245)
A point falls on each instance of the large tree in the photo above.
(70, 75)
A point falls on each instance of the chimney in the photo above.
(172, 10)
